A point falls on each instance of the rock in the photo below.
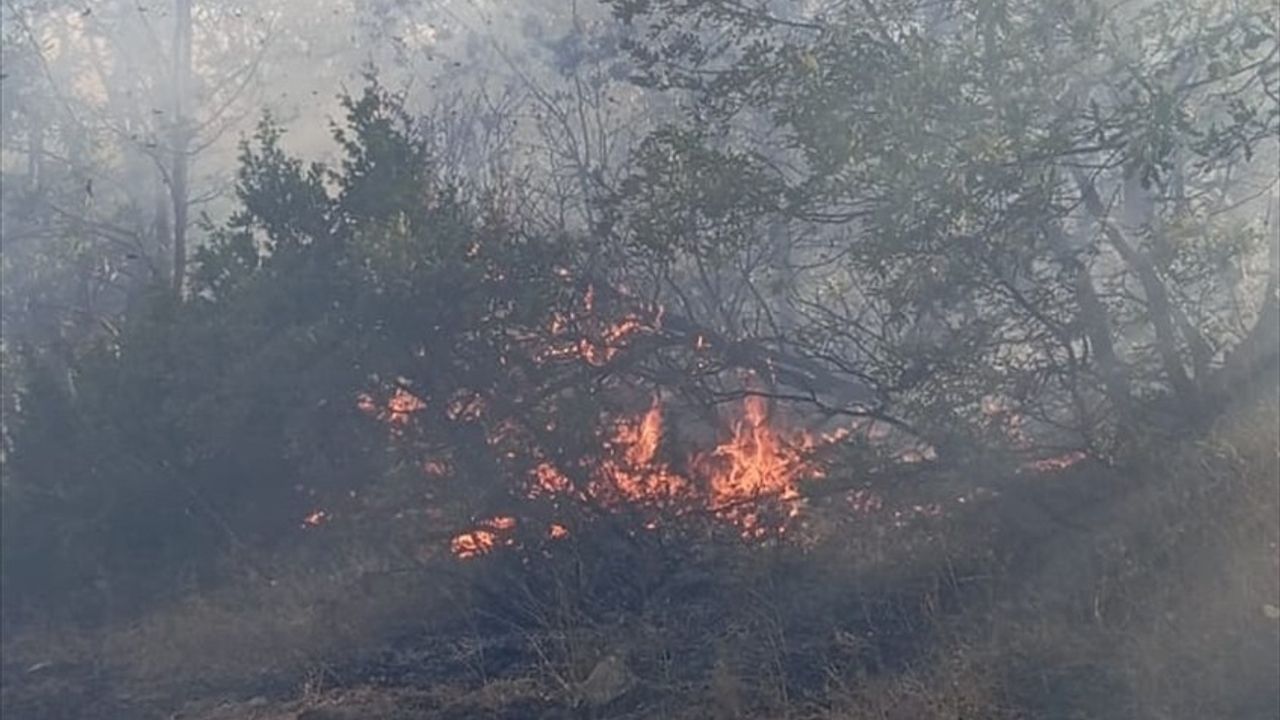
(608, 681)
(324, 713)
(43, 665)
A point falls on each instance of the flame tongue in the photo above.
(751, 480)
(582, 334)
(754, 467)
(757, 464)
(632, 472)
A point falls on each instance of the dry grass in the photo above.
(1154, 607)
(247, 631)
(1167, 617)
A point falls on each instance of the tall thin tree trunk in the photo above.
(1258, 354)
(1159, 306)
(1097, 329)
(181, 140)
(161, 228)
(35, 152)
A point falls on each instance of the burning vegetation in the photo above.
(750, 480)
(700, 338)
(744, 466)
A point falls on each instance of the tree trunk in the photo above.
(1096, 327)
(35, 152)
(1159, 307)
(178, 189)
(1259, 352)
(160, 228)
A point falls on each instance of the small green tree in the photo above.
(207, 429)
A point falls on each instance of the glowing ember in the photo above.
(484, 539)
(403, 404)
(587, 337)
(500, 523)
(549, 481)
(465, 407)
(865, 502)
(1055, 463)
(473, 544)
(397, 411)
(315, 518)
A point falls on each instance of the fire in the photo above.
(488, 534)
(315, 518)
(435, 468)
(756, 464)
(473, 544)
(1056, 463)
(501, 523)
(465, 407)
(549, 481)
(632, 471)
(751, 480)
(402, 405)
(754, 467)
(584, 335)
(396, 412)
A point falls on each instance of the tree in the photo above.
(992, 208)
(211, 427)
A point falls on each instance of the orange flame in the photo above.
(465, 407)
(632, 472)
(484, 539)
(758, 464)
(751, 480)
(473, 544)
(587, 337)
(1056, 463)
(397, 411)
(315, 518)
(403, 404)
(755, 467)
(549, 481)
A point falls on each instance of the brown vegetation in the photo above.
(1091, 592)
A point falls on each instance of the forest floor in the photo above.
(1082, 593)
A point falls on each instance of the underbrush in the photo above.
(1144, 592)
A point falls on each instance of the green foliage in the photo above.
(210, 428)
(978, 210)
(936, 162)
